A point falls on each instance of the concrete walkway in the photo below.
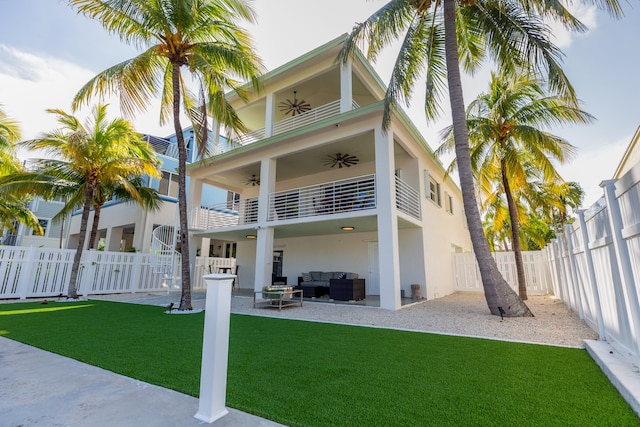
(38, 388)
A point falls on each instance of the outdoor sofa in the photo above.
(318, 283)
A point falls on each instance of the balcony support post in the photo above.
(269, 115)
(388, 251)
(346, 87)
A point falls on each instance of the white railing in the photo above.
(327, 198)
(250, 137)
(244, 211)
(537, 273)
(311, 116)
(407, 199)
(596, 264)
(44, 273)
(163, 249)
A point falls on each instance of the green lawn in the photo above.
(312, 374)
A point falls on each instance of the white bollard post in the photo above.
(215, 348)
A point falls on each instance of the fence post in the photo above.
(574, 270)
(136, 274)
(591, 274)
(563, 265)
(623, 260)
(27, 270)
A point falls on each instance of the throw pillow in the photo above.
(306, 277)
(342, 276)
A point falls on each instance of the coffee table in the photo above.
(278, 298)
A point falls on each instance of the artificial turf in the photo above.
(314, 374)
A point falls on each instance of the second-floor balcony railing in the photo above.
(327, 198)
(308, 117)
(353, 194)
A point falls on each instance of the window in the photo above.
(448, 202)
(168, 184)
(433, 189)
(44, 223)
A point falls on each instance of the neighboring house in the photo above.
(54, 232)
(323, 188)
(128, 227)
(631, 156)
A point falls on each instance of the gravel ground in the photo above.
(458, 314)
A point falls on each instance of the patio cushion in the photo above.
(306, 277)
(325, 276)
(315, 275)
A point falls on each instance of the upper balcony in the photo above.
(318, 200)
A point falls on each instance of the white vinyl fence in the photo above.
(537, 273)
(28, 272)
(596, 264)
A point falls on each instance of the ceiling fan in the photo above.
(340, 160)
(294, 107)
(253, 181)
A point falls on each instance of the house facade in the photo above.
(55, 232)
(323, 187)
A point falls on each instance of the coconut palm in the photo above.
(509, 145)
(198, 37)
(12, 207)
(441, 36)
(85, 158)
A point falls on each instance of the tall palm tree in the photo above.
(99, 153)
(439, 37)
(509, 144)
(198, 37)
(12, 206)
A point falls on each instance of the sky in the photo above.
(47, 52)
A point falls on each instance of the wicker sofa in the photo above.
(317, 283)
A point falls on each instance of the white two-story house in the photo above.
(322, 187)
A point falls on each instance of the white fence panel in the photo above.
(602, 282)
(43, 272)
(537, 273)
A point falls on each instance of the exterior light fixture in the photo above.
(347, 228)
(250, 236)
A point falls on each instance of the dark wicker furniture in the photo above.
(346, 289)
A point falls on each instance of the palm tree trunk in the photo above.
(94, 226)
(515, 236)
(497, 292)
(72, 291)
(185, 299)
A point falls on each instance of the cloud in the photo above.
(562, 37)
(30, 84)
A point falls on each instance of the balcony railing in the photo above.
(311, 116)
(407, 199)
(353, 194)
(243, 211)
(327, 198)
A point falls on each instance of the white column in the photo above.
(215, 348)
(623, 259)
(269, 116)
(591, 274)
(264, 243)
(346, 87)
(388, 253)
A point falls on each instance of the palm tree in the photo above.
(12, 207)
(439, 37)
(509, 144)
(199, 37)
(86, 158)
